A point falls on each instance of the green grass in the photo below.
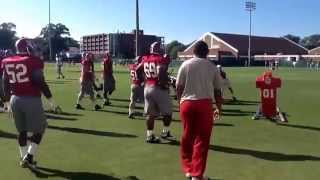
(107, 145)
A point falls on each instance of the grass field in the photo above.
(107, 145)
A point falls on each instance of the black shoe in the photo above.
(97, 107)
(106, 103)
(27, 162)
(131, 116)
(62, 77)
(152, 139)
(234, 98)
(78, 106)
(166, 135)
(98, 96)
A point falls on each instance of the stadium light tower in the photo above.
(137, 29)
(49, 32)
(250, 6)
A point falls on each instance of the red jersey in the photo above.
(19, 70)
(107, 66)
(87, 70)
(133, 74)
(268, 90)
(151, 65)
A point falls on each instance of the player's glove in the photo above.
(216, 114)
(7, 108)
(53, 107)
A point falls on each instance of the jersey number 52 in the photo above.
(17, 73)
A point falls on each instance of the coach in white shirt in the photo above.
(198, 87)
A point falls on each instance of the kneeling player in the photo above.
(268, 108)
(136, 95)
(156, 92)
(24, 81)
(87, 81)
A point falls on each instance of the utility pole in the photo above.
(250, 6)
(49, 32)
(137, 29)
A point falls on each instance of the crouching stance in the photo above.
(24, 81)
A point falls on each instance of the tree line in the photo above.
(59, 33)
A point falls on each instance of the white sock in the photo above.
(33, 148)
(23, 151)
(149, 132)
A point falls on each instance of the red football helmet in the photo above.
(155, 48)
(27, 46)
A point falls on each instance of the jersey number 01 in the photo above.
(17, 73)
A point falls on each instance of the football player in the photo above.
(268, 85)
(156, 92)
(23, 84)
(87, 80)
(226, 84)
(59, 64)
(137, 86)
(109, 81)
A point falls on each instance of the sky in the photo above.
(182, 20)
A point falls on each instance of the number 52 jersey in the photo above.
(19, 70)
(268, 91)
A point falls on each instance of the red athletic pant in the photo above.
(197, 118)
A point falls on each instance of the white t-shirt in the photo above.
(199, 77)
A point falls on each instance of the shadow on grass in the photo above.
(114, 112)
(236, 112)
(45, 173)
(301, 127)
(65, 113)
(58, 82)
(121, 100)
(270, 156)
(124, 106)
(241, 102)
(55, 117)
(92, 132)
(7, 135)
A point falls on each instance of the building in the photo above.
(232, 49)
(315, 51)
(120, 45)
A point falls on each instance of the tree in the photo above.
(7, 35)
(173, 48)
(311, 42)
(293, 38)
(60, 38)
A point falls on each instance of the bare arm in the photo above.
(39, 81)
(6, 87)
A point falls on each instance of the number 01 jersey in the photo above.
(151, 64)
(268, 92)
(19, 70)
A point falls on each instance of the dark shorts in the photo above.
(109, 84)
(157, 101)
(28, 114)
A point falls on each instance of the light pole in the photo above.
(250, 6)
(49, 32)
(137, 29)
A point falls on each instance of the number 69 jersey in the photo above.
(151, 64)
(18, 70)
(268, 91)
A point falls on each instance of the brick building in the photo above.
(120, 45)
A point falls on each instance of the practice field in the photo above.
(107, 145)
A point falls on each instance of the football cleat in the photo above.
(78, 106)
(166, 135)
(27, 162)
(152, 139)
(106, 103)
(131, 116)
(97, 107)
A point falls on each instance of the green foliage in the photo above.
(293, 38)
(173, 48)
(7, 35)
(312, 41)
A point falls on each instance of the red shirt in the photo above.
(19, 71)
(151, 64)
(87, 70)
(107, 67)
(268, 90)
(133, 74)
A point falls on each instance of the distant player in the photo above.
(87, 80)
(226, 84)
(109, 81)
(23, 83)
(156, 92)
(268, 86)
(136, 95)
(59, 64)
